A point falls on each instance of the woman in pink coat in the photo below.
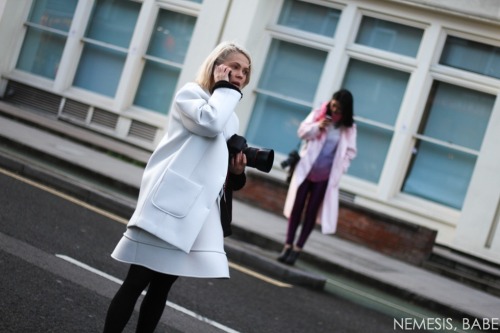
(330, 144)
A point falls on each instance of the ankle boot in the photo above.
(292, 257)
(284, 254)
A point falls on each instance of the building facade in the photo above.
(425, 75)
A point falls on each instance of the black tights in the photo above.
(122, 305)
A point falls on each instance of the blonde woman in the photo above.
(176, 229)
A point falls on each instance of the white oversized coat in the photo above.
(187, 170)
(314, 138)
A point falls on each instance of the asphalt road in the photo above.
(57, 276)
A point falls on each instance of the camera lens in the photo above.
(261, 159)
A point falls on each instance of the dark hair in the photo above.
(346, 101)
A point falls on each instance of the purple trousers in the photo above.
(309, 196)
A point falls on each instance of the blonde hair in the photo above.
(221, 52)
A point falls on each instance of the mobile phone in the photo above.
(229, 75)
(328, 115)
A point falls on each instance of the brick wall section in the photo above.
(399, 239)
(405, 241)
(268, 194)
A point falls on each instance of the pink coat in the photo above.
(314, 139)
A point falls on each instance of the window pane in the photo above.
(274, 123)
(113, 21)
(455, 115)
(378, 91)
(99, 70)
(309, 17)
(292, 70)
(157, 87)
(171, 37)
(458, 115)
(471, 56)
(55, 14)
(389, 36)
(372, 144)
(100, 67)
(170, 41)
(440, 174)
(42, 49)
(41, 53)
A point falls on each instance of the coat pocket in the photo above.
(175, 194)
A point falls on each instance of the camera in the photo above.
(291, 161)
(261, 159)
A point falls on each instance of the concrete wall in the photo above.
(479, 9)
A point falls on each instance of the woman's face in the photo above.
(335, 110)
(335, 106)
(240, 68)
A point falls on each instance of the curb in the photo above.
(236, 248)
(245, 246)
(252, 257)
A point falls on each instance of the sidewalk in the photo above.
(47, 155)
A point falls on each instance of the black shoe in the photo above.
(284, 254)
(292, 257)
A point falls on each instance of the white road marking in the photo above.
(170, 304)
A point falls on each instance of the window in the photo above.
(471, 56)
(378, 92)
(47, 30)
(389, 36)
(448, 143)
(309, 17)
(285, 92)
(164, 59)
(288, 84)
(106, 40)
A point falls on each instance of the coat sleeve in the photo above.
(351, 147)
(204, 114)
(236, 182)
(308, 128)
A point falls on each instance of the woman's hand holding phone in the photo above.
(222, 72)
(325, 122)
